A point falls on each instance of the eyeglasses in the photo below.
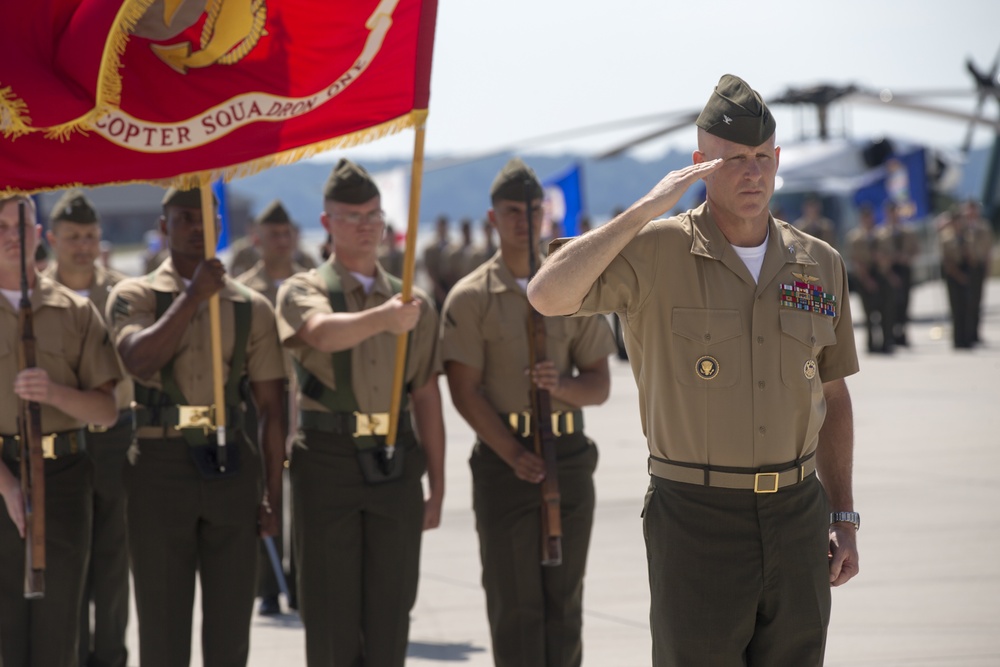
(355, 218)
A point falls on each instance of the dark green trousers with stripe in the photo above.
(736, 578)
(46, 631)
(358, 552)
(180, 526)
(535, 612)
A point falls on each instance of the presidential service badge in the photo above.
(707, 367)
(809, 369)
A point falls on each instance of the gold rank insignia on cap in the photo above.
(809, 369)
(707, 367)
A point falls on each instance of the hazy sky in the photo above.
(508, 70)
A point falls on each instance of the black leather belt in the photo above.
(563, 423)
(54, 445)
(354, 424)
(759, 482)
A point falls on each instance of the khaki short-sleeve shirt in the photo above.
(258, 280)
(727, 375)
(132, 307)
(100, 287)
(71, 344)
(484, 326)
(373, 360)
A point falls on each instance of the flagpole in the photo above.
(218, 392)
(416, 181)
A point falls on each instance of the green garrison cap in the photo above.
(273, 213)
(349, 183)
(184, 198)
(737, 113)
(510, 182)
(74, 206)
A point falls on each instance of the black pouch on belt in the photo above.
(377, 467)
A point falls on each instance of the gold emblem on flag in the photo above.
(231, 30)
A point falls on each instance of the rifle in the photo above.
(30, 428)
(541, 417)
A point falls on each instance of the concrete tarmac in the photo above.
(927, 423)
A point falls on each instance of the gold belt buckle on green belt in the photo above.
(772, 482)
(49, 446)
(196, 416)
(515, 417)
(570, 426)
(371, 424)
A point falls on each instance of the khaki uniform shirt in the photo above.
(132, 308)
(867, 248)
(372, 360)
(484, 326)
(258, 280)
(71, 344)
(100, 288)
(902, 242)
(727, 375)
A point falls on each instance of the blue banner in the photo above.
(219, 190)
(904, 182)
(564, 199)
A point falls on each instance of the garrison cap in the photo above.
(510, 182)
(349, 183)
(74, 206)
(273, 213)
(184, 198)
(737, 113)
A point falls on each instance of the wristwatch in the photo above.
(849, 517)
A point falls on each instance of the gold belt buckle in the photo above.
(371, 424)
(49, 446)
(555, 425)
(97, 428)
(195, 416)
(771, 477)
(515, 417)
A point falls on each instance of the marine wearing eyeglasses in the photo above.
(358, 527)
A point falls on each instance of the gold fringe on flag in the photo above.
(14, 118)
(414, 118)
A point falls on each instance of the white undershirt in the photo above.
(753, 257)
(14, 296)
(85, 293)
(523, 282)
(366, 281)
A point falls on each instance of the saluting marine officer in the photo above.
(74, 236)
(194, 506)
(358, 514)
(74, 382)
(535, 612)
(738, 329)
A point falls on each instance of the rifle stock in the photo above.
(541, 421)
(30, 431)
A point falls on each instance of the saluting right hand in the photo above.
(400, 316)
(208, 279)
(665, 194)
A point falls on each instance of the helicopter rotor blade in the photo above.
(889, 100)
(656, 134)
